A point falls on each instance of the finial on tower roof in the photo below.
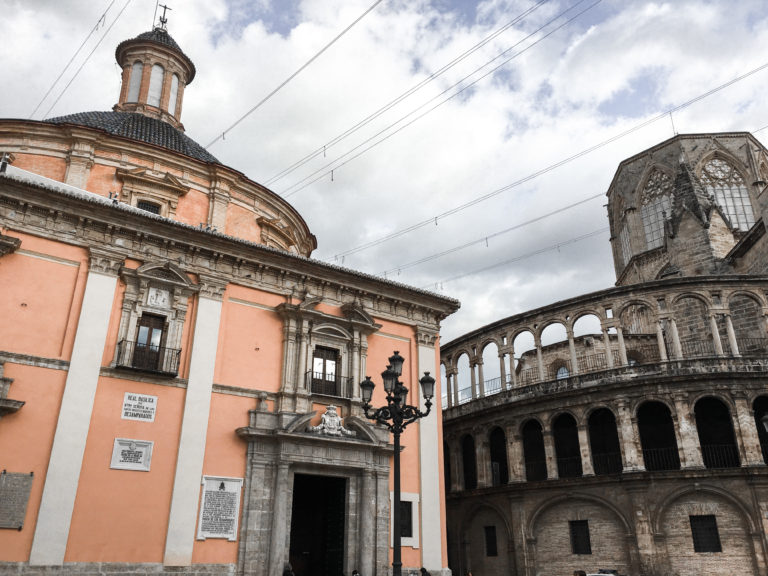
(163, 19)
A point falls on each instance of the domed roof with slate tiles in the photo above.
(139, 127)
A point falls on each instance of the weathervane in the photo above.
(163, 19)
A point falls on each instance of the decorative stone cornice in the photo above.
(426, 337)
(8, 244)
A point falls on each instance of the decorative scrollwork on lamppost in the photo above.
(396, 415)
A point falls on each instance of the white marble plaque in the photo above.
(220, 508)
(159, 298)
(130, 454)
(139, 407)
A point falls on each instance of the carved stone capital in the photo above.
(212, 287)
(426, 337)
(8, 244)
(105, 261)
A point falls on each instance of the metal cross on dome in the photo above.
(163, 19)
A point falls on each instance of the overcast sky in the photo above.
(539, 91)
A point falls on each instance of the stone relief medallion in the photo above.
(331, 424)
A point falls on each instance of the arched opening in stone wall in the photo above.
(705, 533)
(469, 461)
(566, 436)
(657, 437)
(447, 466)
(588, 340)
(444, 387)
(716, 437)
(464, 378)
(488, 545)
(748, 325)
(760, 409)
(533, 452)
(638, 325)
(498, 449)
(526, 369)
(604, 442)
(693, 328)
(556, 352)
(576, 534)
(492, 369)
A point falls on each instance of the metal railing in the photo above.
(569, 467)
(156, 359)
(607, 463)
(697, 348)
(720, 455)
(535, 470)
(328, 384)
(656, 459)
(752, 345)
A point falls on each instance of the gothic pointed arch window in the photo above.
(656, 204)
(727, 185)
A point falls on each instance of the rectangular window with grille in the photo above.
(490, 541)
(148, 206)
(580, 543)
(705, 535)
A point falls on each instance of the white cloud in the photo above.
(614, 67)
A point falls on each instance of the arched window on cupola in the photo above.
(727, 185)
(155, 85)
(135, 82)
(656, 203)
(174, 95)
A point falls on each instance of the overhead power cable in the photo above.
(292, 76)
(99, 22)
(371, 142)
(127, 2)
(518, 258)
(549, 168)
(434, 75)
(488, 237)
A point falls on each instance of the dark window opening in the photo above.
(469, 461)
(705, 535)
(447, 466)
(148, 207)
(498, 449)
(580, 543)
(657, 437)
(760, 408)
(150, 339)
(604, 442)
(490, 541)
(406, 519)
(567, 447)
(716, 437)
(325, 376)
(533, 452)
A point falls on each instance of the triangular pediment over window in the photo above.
(143, 188)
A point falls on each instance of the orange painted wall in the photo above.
(26, 438)
(225, 455)
(102, 180)
(250, 352)
(192, 208)
(41, 297)
(122, 515)
(242, 223)
(48, 166)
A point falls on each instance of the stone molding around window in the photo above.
(162, 289)
(413, 498)
(141, 185)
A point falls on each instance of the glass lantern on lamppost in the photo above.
(396, 415)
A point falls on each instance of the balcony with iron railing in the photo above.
(155, 359)
(328, 384)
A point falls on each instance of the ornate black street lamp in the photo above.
(396, 415)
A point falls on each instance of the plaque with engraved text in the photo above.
(220, 509)
(14, 495)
